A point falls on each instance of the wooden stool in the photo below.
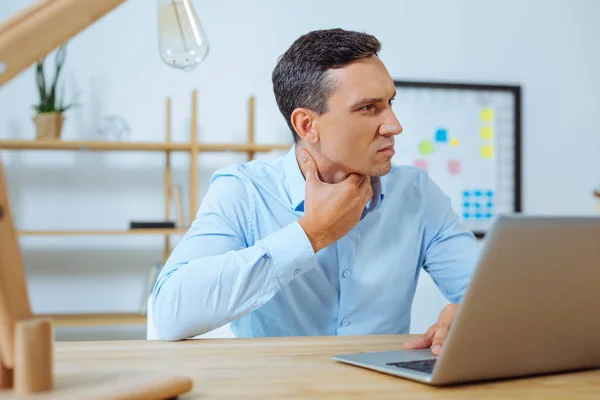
(33, 370)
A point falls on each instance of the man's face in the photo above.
(356, 134)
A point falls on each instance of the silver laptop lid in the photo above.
(533, 305)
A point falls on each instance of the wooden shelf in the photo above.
(242, 147)
(130, 232)
(91, 145)
(136, 146)
(172, 193)
(96, 319)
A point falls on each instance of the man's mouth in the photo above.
(387, 150)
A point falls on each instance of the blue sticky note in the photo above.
(441, 135)
(490, 205)
(478, 215)
(490, 193)
(466, 204)
(466, 194)
(488, 215)
(466, 215)
(478, 193)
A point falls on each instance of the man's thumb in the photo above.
(308, 166)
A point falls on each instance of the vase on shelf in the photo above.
(48, 126)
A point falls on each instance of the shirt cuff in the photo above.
(290, 251)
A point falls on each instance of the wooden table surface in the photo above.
(276, 368)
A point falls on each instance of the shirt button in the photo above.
(297, 272)
(346, 274)
(345, 322)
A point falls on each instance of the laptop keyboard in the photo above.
(418, 365)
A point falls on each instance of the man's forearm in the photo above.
(196, 296)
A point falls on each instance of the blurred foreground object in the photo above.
(27, 362)
(40, 28)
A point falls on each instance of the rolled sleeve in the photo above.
(290, 252)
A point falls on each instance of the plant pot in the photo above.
(48, 126)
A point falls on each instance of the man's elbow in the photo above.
(169, 325)
(170, 332)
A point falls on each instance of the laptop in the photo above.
(532, 308)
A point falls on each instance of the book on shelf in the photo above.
(151, 225)
(176, 206)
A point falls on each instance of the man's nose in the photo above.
(391, 126)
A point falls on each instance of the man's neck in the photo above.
(329, 172)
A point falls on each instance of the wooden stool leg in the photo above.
(33, 356)
(6, 377)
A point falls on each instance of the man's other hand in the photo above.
(436, 334)
(331, 210)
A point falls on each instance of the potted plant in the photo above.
(50, 110)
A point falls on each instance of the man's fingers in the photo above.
(365, 183)
(365, 186)
(367, 195)
(439, 338)
(355, 179)
(422, 342)
(308, 166)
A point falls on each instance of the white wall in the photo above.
(550, 47)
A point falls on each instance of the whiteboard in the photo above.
(467, 137)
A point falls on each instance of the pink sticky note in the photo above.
(419, 163)
(454, 167)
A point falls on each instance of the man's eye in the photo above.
(368, 107)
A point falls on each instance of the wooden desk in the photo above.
(290, 368)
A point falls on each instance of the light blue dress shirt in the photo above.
(246, 260)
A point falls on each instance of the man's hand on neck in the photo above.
(329, 172)
(331, 209)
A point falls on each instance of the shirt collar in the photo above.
(295, 184)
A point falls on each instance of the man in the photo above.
(329, 239)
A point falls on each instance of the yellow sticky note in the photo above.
(454, 142)
(487, 151)
(487, 114)
(487, 132)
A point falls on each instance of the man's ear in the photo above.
(306, 124)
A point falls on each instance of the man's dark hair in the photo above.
(300, 78)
